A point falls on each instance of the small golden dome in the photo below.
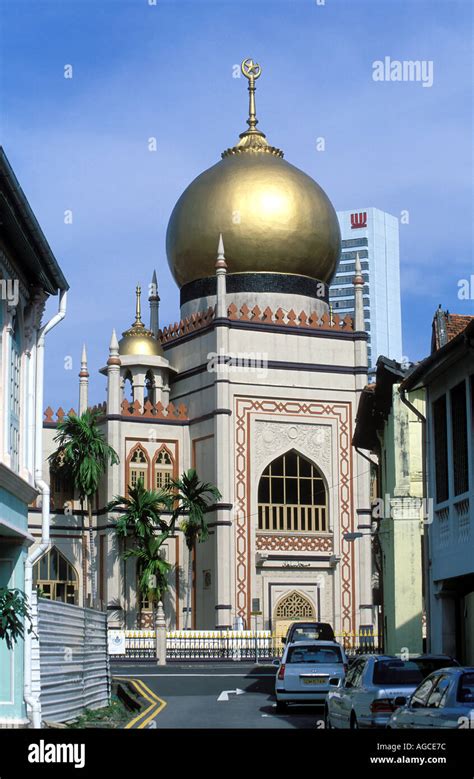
(138, 340)
(274, 218)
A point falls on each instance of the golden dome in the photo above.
(138, 340)
(273, 217)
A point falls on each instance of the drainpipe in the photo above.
(426, 542)
(376, 537)
(43, 488)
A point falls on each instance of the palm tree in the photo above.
(191, 498)
(152, 569)
(140, 518)
(85, 455)
(140, 511)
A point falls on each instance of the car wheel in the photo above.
(327, 721)
(281, 707)
(354, 723)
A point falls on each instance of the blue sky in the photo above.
(165, 70)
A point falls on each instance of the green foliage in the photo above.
(14, 611)
(193, 498)
(113, 716)
(185, 498)
(141, 520)
(141, 511)
(151, 564)
(83, 453)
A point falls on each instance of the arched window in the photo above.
(138, 464)
(292, 496)
(55, 578)
(163, 468)
(127, 387)
(294, 606)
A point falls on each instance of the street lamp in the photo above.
(353, 536)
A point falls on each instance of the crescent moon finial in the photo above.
(251, 70)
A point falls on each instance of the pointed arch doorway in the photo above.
(292, 607)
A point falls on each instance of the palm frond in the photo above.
(83, 452)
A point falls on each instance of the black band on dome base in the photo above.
(289, 284)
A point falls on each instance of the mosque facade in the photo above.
(256, 387)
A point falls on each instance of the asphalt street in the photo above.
(216, 695)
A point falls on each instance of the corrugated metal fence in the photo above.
(74, 660)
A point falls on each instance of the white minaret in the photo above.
(358, 283)
(154, 301)
(83, 383)
(113, 377)
(363, 549)
(223, 443)
(221, 270)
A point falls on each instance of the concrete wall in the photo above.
(401, 533)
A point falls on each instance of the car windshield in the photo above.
(429, 664)
(314, 655)
(397, 673)
(466, 688)
(312, 633)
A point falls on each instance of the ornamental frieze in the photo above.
(293, 543)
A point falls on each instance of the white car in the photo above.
(307, 671)
(445, 699)
(367, 697)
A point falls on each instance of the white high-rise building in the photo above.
(374, 235)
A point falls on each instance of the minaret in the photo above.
(113, 377)
(359, 324)
(83, 383)
(361, 480)
(358, 283)
(154, 301)
(221, 270)
(223, 443)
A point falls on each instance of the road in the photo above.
(191, 695)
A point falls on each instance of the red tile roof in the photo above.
(456, 323)
(447, 326)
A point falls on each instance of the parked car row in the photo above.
(376, 691)
(375, 686)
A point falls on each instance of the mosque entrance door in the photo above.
(292, 607)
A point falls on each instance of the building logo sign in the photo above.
(116, 642)
(359, 220)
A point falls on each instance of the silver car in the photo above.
(366, 699)
(445, 699)
(307, 671)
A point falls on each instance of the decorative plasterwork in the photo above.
(323, 414)
(275, 438)
(293, 543)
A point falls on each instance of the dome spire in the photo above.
(154, 301)
(138, 308)
(138, 339)
(252, 71)
(252, 140)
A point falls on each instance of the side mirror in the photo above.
(400, 700)
(276, 662)
(283, 641)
